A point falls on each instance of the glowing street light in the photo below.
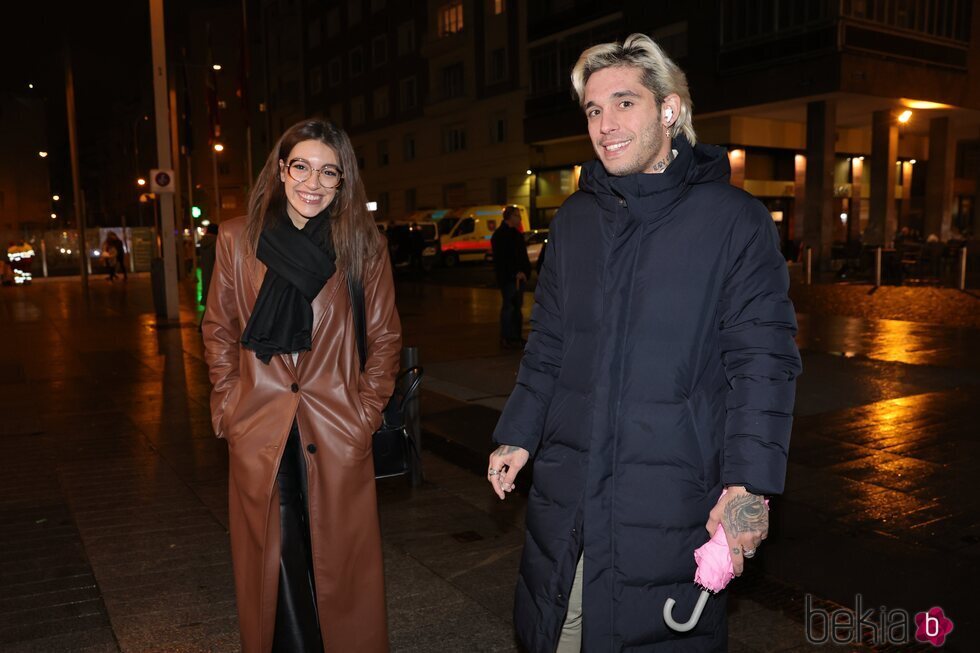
(218, 147)
(42, 154)
(216, 66)
(54, 216)
(905, 116)
(56, 197)
(141, 182)
(30, 86)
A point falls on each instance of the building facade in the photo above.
(26, 202)
(849, 119)
(809, 98)
(430, 91)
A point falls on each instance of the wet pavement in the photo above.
(113, 513)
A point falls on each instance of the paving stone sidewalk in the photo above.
(113, 505)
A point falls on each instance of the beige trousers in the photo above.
(570, 640)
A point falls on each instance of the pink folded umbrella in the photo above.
(714, 572)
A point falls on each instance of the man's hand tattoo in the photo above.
(505, 449)
(745, 514)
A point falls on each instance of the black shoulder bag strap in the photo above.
(392, 416)
(356, 292)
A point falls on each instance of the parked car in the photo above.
(408, 240)
(464, 234)
(535, 239)
(432, 253)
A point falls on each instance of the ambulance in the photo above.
(464, 234)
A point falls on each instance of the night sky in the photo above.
(110, 50)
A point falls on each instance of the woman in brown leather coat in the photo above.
(291, 400)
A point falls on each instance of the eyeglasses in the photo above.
(329, 176)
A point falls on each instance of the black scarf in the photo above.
(299, 261)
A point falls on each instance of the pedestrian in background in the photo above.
(512, 268)
(109, 256)
(294, 403)
(208, 245)
(117, 243)
(660, 369)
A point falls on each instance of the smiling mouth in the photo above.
(616, 147)
(309, 198)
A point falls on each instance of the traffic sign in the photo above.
(162, 180)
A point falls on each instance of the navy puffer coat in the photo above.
(661, 366)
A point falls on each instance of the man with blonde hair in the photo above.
(660, 371)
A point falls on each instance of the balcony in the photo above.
(762, 32)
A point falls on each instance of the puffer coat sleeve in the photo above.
(523, 419)
(759, 355)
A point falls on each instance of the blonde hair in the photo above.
(355, 238)
(660, 75)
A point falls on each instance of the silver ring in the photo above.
(748, 554)
(493, 472)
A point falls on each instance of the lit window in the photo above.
(451, 18)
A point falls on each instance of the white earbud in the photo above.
(669, 113)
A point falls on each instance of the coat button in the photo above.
(311, 448)
(294, 387)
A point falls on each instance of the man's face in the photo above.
(624, 121)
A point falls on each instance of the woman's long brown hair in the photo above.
(355, 237)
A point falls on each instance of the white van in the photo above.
(464, 234)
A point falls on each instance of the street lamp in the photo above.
(42, 154)
(215, 150)
(56, 197)
(54, 216)
(216, 66)
(141, 182)
(905, 116)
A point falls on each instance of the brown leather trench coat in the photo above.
(337, 408)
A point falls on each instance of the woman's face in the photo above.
(306, 199)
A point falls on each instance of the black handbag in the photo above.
(394, 448)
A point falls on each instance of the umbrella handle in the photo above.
(695, 616)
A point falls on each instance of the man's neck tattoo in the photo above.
(662, 164)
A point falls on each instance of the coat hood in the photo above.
(700, 164)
